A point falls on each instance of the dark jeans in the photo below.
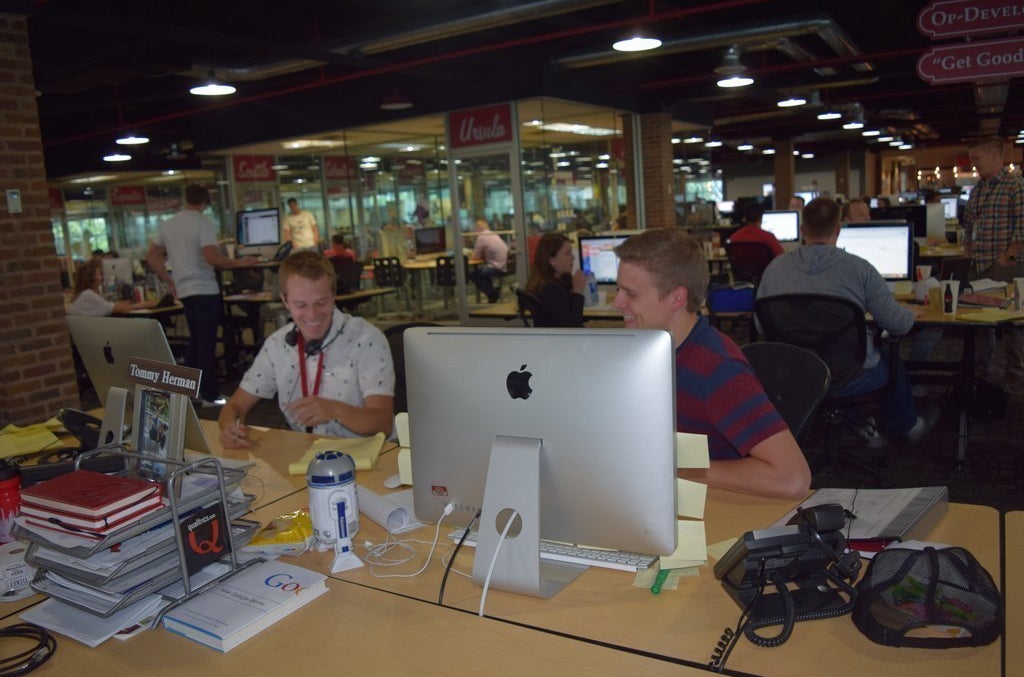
(897, 410)
(483, 278)
(203, 315)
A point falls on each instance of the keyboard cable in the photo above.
(494, 559)
(451, 560)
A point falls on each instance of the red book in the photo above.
(113, 520)
(88, 493)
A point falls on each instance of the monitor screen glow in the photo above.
(886, 245)
(608, 435)
(725, 206)
(784, 225)
(259, 227)
(597, 255)
(117, 270)
(949, 205)
(430, 240)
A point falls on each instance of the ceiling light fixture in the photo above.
(212, 88)
(694, 138)
(768, 151)
(856, 117)
(130, 139)
(745, 146)
(636, 43)
(734, 73)
(871, 132)
(396, 102)
(829, 114)
(713, 143)
(792, 101)
(117, 156)
(854, 124)
(884, 139)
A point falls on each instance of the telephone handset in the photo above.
(85, 427)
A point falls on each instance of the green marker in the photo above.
(659, 581)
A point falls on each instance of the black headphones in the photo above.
(313, 346)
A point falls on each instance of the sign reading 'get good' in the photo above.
(949, 18)
(968, 62)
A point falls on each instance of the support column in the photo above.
(655, 145)
(843, 174)
(785, 172)
(37, 377)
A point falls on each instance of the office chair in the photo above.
(445, 278)
(527, 302)
(347, 274)
(396, 341)
(388, 272)
(835, 329)
(956, 268)
(747, 260)
(795, 379)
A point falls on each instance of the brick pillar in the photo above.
(658, 179)
(36, 372)
(843, 174)
(785, 172)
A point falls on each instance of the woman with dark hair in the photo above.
(554, 284)
(87, 299)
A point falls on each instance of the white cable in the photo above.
(494, 559)
(386, 547)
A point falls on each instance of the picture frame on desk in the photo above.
(158, 422)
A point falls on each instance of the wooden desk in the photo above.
(342, 300)
(940, 252)
(1013, 592)
(510, 311)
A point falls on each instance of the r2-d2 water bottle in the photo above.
(333, 503)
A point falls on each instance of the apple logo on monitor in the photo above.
(108, 353)
(518, 383)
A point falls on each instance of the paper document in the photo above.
(87, 628)
(879, 513)
(393, 512)
(985, 284)
(20, 441)
(363, 450)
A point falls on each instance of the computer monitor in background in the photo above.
(917, 215)
(949, 205)
(886, 245)
(430, 240)
(106, 344)
(725, 207)
(117, 270)
(597, 255)
(784, 225)
(606, 436)
(258, 227)
(807, 196)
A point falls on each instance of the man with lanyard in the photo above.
(331, 372)
(994, 229)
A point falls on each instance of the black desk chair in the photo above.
(795, 379)
(527, 302)
(388, 272)
(747, 260)
(835, 329)
(396, 341)
(956, 268)
(347, 274)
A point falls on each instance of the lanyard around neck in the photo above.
(302, 368)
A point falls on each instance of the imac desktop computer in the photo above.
(548, 423)
(597, 255)
(784, 225)
(886, 245)
(107, 343)
(260, 230)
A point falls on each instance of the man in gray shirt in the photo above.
(819, 267)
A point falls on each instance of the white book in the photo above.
(245, 604)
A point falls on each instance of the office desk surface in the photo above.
(1013, 592)
(268, 297)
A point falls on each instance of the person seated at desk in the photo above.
(554, 284)
(344, 384)
(820, 266)
(493, 251)
(856, 211)
(340, 249)
(752, 231)
(87, 299)
(663, 278)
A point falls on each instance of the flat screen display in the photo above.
(917, 215)
(259, 227)
(597, 255)
(886, 245)
(430, 240)
(784, 225)
(725, 206)
(949, 204)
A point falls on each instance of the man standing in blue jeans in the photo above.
(188, 241)
(819, 267)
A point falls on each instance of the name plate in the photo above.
(172, 378)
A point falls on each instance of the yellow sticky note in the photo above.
(692, 451)
(718, 550)
(405, 466)
(691, 549)
(363, 450)
(402, 428)
(690, 498)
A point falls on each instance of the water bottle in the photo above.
(592, 296)
(333, 501)
(10, 498)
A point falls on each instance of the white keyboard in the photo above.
(578, 554)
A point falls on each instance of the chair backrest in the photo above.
(347, 273)
(955, 268)
(510, 264)
(396, 342)
(388, 272)
(794, 378)
(748, 260)
(529, 303)
(830, 326)
(445, 271)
